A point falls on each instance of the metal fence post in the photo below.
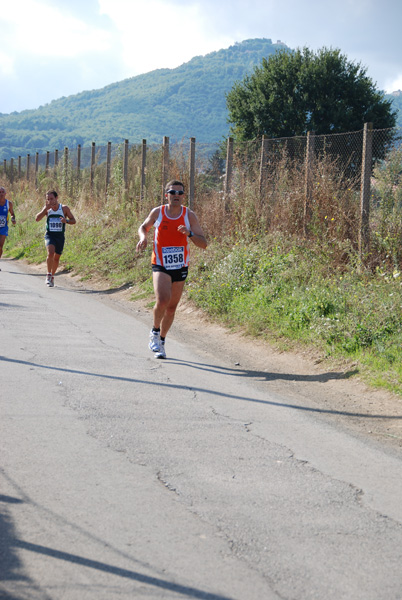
(143, 168)
(125, 164)
(192, 172)
(165, 164)
(36, 167)
(93, 148)
(108, 161)
(263, 163)
(308, 180)
(365, 189)
(229, 168)
(65, 168)
(78, 161)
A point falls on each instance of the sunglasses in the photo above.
(175, 192)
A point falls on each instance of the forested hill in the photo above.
(396, 98)
(179, 103)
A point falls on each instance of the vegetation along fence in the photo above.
(137, 171)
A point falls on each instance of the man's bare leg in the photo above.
(56, 260)
(52, 262)
(168, 317)
(2, 240)
(168, 295)
(163, 291)
(50, 258)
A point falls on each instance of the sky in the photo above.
(55, 48)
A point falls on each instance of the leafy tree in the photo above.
(294, 92)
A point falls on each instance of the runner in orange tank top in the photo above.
(175, 225)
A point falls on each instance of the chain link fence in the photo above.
(347, 185)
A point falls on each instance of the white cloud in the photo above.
(394, 85)
(41, 29)
(6, 64)
(52, 48)
(159, 34)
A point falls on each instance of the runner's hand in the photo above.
(142, 244)
(184, 230)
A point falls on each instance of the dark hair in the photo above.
(173, 182)
(55, 194)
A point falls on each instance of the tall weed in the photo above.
(281, 261)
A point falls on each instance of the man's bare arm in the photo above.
(145, 227)
(68, 216)
(11, 211)
(42, 213)
(195, 232)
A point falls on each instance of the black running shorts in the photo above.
(56, 241)
(175, 274)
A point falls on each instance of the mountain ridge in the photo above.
(187, 101)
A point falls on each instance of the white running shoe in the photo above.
(161, 352)
(154, 341)
(48, 279)
(51, 282)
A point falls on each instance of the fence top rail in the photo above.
(186, 142)
(81, 155)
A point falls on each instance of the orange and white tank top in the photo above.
(171, 248)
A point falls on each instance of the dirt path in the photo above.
(335, 392)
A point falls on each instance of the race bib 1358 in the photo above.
(173, 257)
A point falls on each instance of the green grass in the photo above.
(259, 275)
(279, 289)
(283, 292)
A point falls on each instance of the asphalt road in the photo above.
(122, 476)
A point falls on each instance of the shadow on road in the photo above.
(224, 371)
(88, 291)
(12, 567)
(189, 592)
(264, 376)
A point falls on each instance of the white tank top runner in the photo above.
(54, 225)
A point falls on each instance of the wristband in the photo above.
(190, 234)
